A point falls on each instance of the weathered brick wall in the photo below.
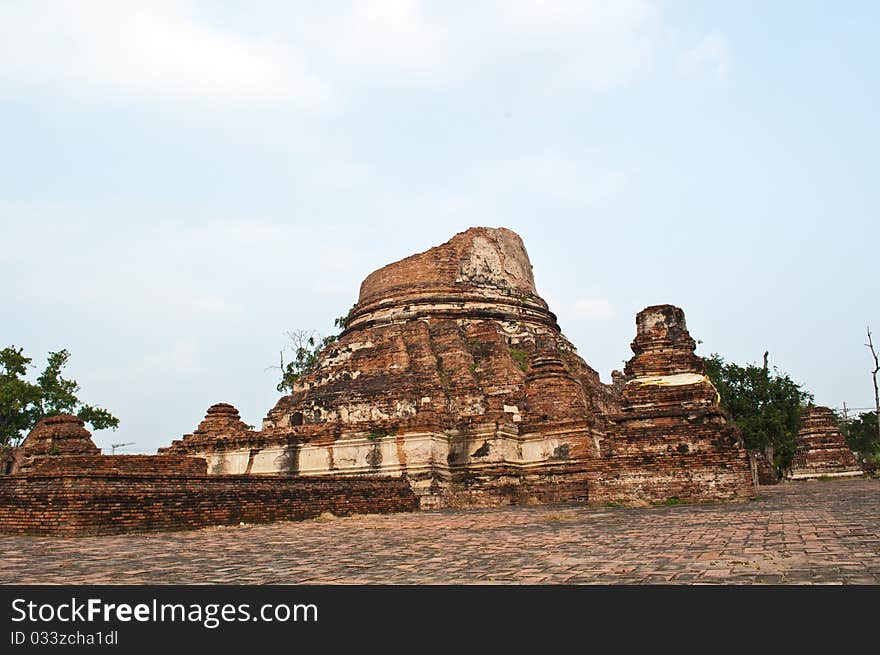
(712, 476)
(124, 464)
(91, 504)
(506, 485)
(627, 480)
(683, 433)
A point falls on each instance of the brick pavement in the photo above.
(801, 533)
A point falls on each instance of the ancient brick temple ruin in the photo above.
(450, 385)
(453, 374)
(821, 448)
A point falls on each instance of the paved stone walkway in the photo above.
(807, 532)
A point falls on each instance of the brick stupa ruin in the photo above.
(453, 374)
(62, 435)
(821, 448)
(61, 444)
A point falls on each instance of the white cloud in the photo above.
(590, 42)
(152, 51)
(312, 56)
(178, 273)
(393, 38)
(710, 56)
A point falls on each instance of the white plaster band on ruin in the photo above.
(812, 475)
(410, 453)
(679, 379)
(406, 311)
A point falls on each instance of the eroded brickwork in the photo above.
(59, 435)
(451, 385)
(222, 427)
(821, 448)
(94, 503)
(81, 492)
(168, 465)
(670, 438)
(440, 338)
(453, 372)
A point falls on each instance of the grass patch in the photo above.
(521, 357)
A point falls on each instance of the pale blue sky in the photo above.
(182, 182)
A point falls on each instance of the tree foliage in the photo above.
(764, 405)
(19, 399)
(307, 346)
(861, 435)
(23, 403)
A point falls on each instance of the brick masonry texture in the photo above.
(55, 435)
(821, 448)
(451, 385)
(167, 465)
(96, 504)
(453, 372)
(812, 532)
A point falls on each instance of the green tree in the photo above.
(307, 346)
(861, 435)
(19, 399)
(765, 406)
(23, 403)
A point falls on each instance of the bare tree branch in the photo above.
(870, 346)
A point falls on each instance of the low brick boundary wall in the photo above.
(79, 504)
(164, 465)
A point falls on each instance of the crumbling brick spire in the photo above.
(821, 448)
(222, 426)
(664, 372)
(668, 403)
